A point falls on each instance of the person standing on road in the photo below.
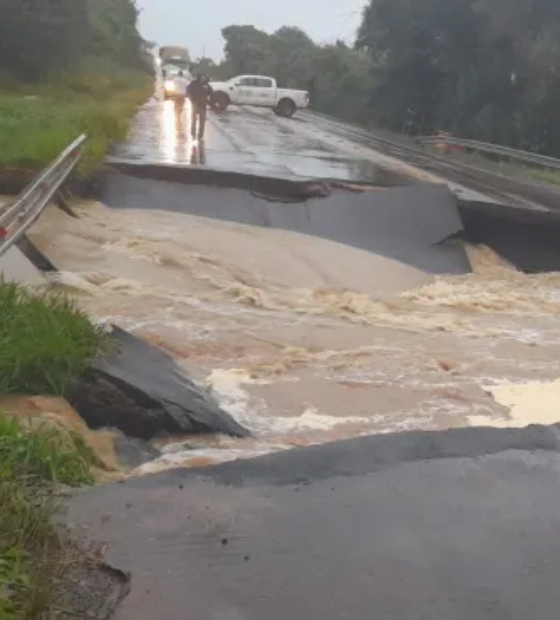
(200, 93)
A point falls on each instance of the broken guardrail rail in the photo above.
(486, 147)
(17, 216)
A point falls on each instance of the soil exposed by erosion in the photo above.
(38, 410)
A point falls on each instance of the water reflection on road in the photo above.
(248, 140)
(177, 145)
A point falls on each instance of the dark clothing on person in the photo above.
(200, 94)
(198, 114)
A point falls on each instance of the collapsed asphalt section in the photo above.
(458, 524)
(526, 238)
(408, 224)
(16, 267)
(414, 224)
(139, 390)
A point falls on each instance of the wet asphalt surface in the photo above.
(437, 526)
(452, 525)
(256, 141)
(244, 140)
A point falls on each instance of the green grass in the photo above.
(546, 175)
(46, 342)
(32, 552)
(508, 167)
(38, 121)
(48, 452)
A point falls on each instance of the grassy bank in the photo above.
(33, 553)
(37, 121)
(45, 343)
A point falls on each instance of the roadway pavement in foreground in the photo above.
(455, 525)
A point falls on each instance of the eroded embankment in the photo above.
(305, 340)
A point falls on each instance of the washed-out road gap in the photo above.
(293, 332)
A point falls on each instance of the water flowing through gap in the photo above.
(307, 341)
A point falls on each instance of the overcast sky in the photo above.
(197, 24)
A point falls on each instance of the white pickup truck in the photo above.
(260, 91)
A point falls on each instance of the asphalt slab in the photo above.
(461, 524)
(408, 224)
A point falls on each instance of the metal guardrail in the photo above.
(16, 217)
(485, 147)
(515, 190)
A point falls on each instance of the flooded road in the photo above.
(305, 340)
(302, 339)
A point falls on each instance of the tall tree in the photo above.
(36, 36)
(420, 50)
(39, 36)
(246, 48)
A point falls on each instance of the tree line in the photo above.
(39, 37)
(481, 69)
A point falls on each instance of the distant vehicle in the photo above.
(175, 56)
(260, 91)
(169, 84)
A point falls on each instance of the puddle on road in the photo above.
(305, 340)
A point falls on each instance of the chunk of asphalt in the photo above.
(138, 389)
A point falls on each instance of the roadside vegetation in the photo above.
(482, 69)
(46, 342)
(67, 67)
(501, 165)
(37, 122)
(34, 555)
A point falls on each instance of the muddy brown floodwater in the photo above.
(306, 341)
